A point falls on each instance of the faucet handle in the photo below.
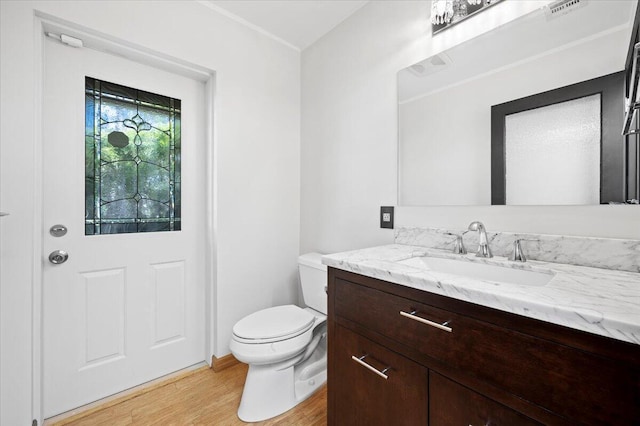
(517, 255)
(458, 247)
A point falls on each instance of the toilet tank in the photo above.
(313, 279)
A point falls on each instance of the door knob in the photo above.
(58, 230)
(59, 256)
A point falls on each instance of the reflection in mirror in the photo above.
(444, 149)
(584, 119)
(571, 130)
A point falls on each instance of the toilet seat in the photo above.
(273, 325)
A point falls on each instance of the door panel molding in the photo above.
(170, 297)
(103, 296)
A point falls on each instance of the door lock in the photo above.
(59, 256)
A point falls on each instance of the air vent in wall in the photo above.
(562, 7)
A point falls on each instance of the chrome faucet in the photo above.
(483, 246)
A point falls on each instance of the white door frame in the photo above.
(100, 41)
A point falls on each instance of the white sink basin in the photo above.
(480, 271)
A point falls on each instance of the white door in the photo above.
(124, 308)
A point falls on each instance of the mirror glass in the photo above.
(444, 101)
(572, 132)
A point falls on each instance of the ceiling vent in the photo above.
(559, 8)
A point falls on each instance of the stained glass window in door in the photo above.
(132, 160)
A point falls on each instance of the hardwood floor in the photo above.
(202, 398)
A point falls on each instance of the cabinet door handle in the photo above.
(412, 315)
(360, 360)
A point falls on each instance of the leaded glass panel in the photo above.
(132, 160)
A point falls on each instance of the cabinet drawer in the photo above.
(454, 404)
(378, 387)
(557, 377)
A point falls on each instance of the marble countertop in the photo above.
(599, 301)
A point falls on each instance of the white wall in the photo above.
(257, 166)
(349, 124)
(348, 150)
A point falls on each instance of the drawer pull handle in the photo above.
(360, 360)
(413, 316)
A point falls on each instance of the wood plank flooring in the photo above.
(202, 398)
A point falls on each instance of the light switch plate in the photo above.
(386, 217)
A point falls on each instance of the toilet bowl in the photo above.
(285, 347)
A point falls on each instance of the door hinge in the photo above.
(34, 422)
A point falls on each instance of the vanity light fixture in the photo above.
(441, 11)
(445, 12)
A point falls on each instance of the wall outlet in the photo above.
(386, 217)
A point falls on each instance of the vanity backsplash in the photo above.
(606, 253)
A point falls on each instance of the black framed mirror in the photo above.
(444, 101)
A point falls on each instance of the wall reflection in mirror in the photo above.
(445, 112)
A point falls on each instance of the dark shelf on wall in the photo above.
(631, 92)
(631, 128)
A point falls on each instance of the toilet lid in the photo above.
(274, 323)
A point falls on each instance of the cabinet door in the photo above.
(453, 404)
(522, 364)
(364, 397)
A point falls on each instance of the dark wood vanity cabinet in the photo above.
(396, 395)
(450, 362)
(453, 404)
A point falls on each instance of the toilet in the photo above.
(285, 347)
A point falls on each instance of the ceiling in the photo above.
(296, 23)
